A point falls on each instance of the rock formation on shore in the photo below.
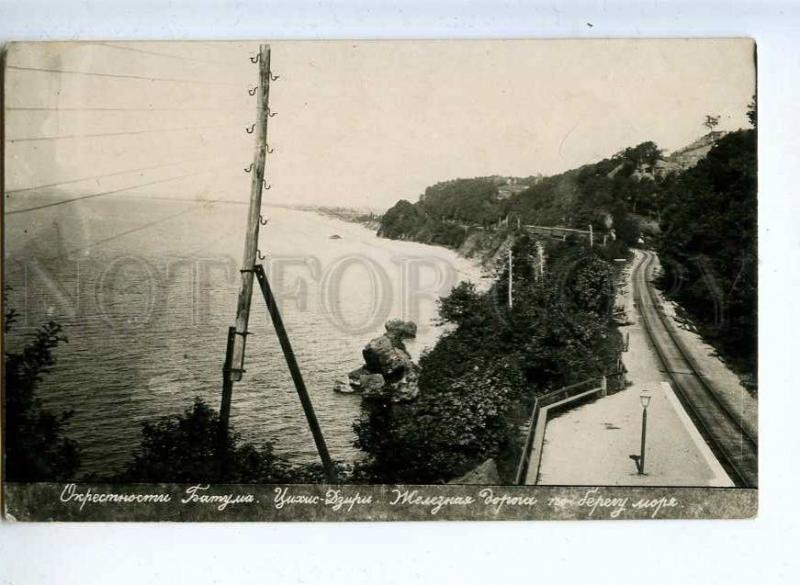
(388, 369)
(398, 329)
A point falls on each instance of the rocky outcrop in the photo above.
(399, 329)
(485, 474)
(382, 356)
(690, 155)
(388, 369)
(407, 388)
(366, 382)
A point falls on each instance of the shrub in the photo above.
(36, 448)
(185, 449)
(444, 433)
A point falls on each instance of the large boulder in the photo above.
(366, 382)
(399, 329)
(382, 357)
(372, 385)
(389, 371)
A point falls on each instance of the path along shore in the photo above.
(592, 444)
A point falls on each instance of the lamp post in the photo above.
(644, 398)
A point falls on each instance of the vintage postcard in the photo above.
(406, 280)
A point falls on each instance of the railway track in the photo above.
(735, 446)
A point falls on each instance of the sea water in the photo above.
(145, 290)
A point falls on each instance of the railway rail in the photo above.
(734, 444)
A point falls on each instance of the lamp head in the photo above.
(645, 398)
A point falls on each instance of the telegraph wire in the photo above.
(123, 234)
(104, 193)
(114, 174)
(121, 76)
(165, 55)
(105, 134)
(107, 109)
(177, 80)
(128, 232)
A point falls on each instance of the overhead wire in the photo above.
(127, 76)
(107, 109)
(122, 234)
(106, 134)
(106, 175)
(105, 193)
(165, 55)
(121, 75)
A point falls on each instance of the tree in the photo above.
(708, 245)
(752, 112)
(35, 445)
(711, 122)
(402, 219)
(643, 155)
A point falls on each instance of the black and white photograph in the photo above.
(380, 280)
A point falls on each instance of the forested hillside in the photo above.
(708, 246)
(604, 194)
(691, 206)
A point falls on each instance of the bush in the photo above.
(35, 446)
(185, 449)
(444, 433)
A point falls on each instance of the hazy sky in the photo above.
(360, 123)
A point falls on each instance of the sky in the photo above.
(359, 123)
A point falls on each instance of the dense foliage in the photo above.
(470, 201)
(36, 448)
(444, 211)
(444, 432)
(186, 448)
(602, 194)
(402, 219)
(708, 248)
(477, 383)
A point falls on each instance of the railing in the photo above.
(522, 467)
(548, 398)
(534, 437)
(556, 231)
(546, 230)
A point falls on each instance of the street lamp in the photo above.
(644, 398)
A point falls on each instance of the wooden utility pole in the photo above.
(235, 368)
(237, 335)
(510, 279)
(540, 252)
